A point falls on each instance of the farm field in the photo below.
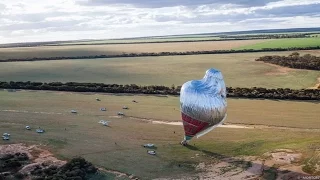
(187, 37)
(284, 43)
(115, 49)
(142, 40)
(84, 136)
(240, 70)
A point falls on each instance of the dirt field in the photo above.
(239, 70)
(112, 49)
(118, 147)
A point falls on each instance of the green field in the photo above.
(239, 70)
(285, 43)
(85, 137)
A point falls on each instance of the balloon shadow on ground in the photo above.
(255, 169)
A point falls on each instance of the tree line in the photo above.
(161, 54)
(254, 92)
(294, 60)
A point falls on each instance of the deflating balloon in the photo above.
(203, 104)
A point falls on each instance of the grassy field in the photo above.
(84, 136)
(112, 49)
(239, 70)
(284, 43)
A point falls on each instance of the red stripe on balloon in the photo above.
(192, 126)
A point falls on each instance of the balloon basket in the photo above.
(186, 140)
(184, 143)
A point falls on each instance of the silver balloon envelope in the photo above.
(203, 104)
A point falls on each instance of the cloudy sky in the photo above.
(46, 20)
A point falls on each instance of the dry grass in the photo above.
(239, 70)
(112, 49)
(243, 111)
(84, 136)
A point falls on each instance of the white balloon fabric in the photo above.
(203, 104)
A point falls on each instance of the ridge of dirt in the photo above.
(279, 70)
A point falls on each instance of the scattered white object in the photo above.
(120, 113)
(152, 152)
(5, 138)
(125, 107)
(40, 131)
(103, 109)
(148, 145)
(103, 122)
(73, 111)
(28, 127)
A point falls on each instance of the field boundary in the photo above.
(232, 51)
(223, 38)
(246, 93)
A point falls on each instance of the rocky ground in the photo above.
(34, 157)
(281, 164)
(18, 161)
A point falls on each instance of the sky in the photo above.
(56, 20)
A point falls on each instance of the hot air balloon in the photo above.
(203, 104)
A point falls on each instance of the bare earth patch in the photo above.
(223, 125)
(317, 86)
(16, 148)
(38, 156)
(42, 157)
(281, 163)
(278, 70)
